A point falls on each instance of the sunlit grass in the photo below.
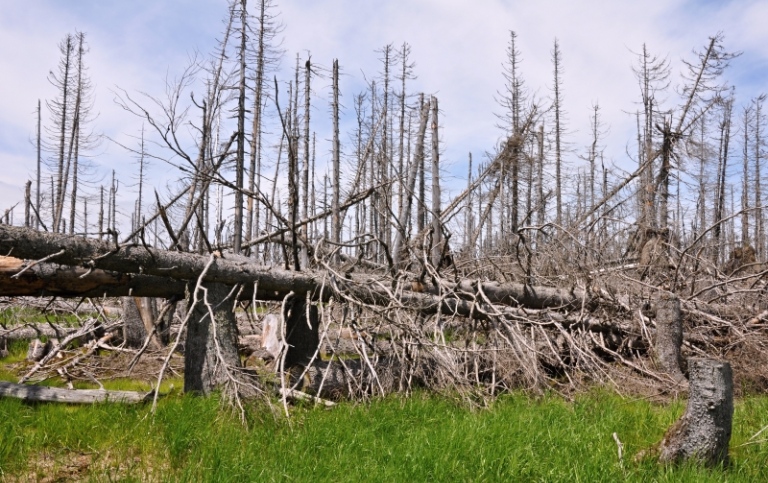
(425, 438)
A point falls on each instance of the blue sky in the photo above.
(458, 47)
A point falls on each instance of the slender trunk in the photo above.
(437, 226)
(336, 220)
(745, 180)
(558, 133)
(38, 205)
(416, 163)
(240, 156)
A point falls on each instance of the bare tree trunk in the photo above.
(703, 432)
(134, 331)
(745, 179)
(336, 219)
(557, 103)
(38, 205)
(437, 223)
(416, 164)
(302, 323)
(725, 137)
(305, 189)
(669, 336)
(240, 157)
(64, 85)
(210, 351)
(759, 224)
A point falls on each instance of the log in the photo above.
(51, 279)
(704, 431)
(32, 331)
(273, 283)
(72, 396)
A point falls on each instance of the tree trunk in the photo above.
(210, 352)
(71, 396)
(669, 336)
(134, 331)
(704, 430)
(301, 332)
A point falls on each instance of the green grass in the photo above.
(12, 316)
(420, 439)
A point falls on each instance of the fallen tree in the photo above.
(72, 396)
(473, 335)
(101, 269)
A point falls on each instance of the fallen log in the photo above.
(33, 331)
(71, 396)
(465, 299)
(51, 279)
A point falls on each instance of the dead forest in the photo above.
(279, 263)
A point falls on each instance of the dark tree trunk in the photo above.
(301, 333)
(704, 430)
(210, 351)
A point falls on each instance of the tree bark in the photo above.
(72, 396)
(669, 336)
(704, 430)
(134, 331)
(50, 279)
(273, 284)
(210, 351)
(302, 324)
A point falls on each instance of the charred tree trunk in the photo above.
(704, 430)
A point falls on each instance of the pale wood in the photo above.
(70, 396)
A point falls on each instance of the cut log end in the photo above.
(704, 431)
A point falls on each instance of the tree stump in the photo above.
(211, 346)
(669, 336)
(134, 331)
(270, 335)
(704, 430)
(38, 349)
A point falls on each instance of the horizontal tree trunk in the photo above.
(73, 396)
(48, 279)
(33, 331)
(272, 283)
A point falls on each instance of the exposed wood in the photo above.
(71, 396)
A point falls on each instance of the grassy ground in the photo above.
(420, 439)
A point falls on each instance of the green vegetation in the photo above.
(18, 316)
(424, 438)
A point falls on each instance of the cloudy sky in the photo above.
(458, 47)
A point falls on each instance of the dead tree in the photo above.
(703, 432)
